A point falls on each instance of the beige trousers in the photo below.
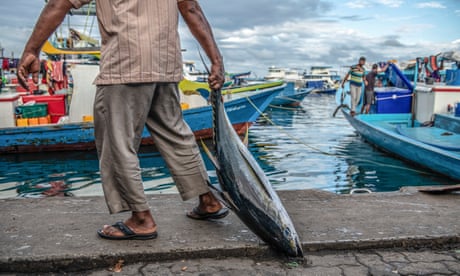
(120, 114)
(355, 94)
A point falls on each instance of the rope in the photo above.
(86, 20)
(325, 152)
(283, 107)
(287, 98)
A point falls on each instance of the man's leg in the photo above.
(177, 145)
(353, 100)
(120, 112)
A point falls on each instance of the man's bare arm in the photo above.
(50, 18)
(201, 30)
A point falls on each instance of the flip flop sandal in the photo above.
(196, 213)
(128, 233)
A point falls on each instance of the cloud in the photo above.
(413, 28)
(457, 12)
(391, 3)
(362, 4)
(431, 5)
(244, 13)
(253, 35)
(392, 42)
(358, 4)
(355, 18)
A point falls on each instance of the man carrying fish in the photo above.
(140, 68)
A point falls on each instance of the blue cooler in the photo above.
(393, 100)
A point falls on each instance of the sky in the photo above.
(256, 34)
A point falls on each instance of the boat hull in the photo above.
(328, 91)
(291, 99)
(80, 136)
(374, 129)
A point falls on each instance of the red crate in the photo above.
(19, 89)
(56, 104)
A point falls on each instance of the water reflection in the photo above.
(306, 149)
(50, 174)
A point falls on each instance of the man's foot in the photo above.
(139, 226)
(196, 213)
(208, 208)
(352, 113)
(128, 234)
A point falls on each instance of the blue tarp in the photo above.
(397, 78)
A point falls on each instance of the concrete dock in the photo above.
(59, 234)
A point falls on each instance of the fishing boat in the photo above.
(75, 130)
(411, 121)
(321, 87)
(286, 74)
(436, 148)
(291, 96)
(191, 73)
(322, 79)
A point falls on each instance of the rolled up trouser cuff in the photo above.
(119, 208)
(191, 186)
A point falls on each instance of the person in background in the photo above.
(356, 74)
(369, 85)
(137, 86)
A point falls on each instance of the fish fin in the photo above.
(246, 136)
(209, 154)
(229, 202)
(223, 197)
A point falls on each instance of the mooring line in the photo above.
(328, 153)
(285, 108)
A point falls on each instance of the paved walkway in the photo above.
(59, 234)
(370, 262)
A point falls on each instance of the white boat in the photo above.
(191, 73)
(287, 75)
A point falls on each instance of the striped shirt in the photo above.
(140, 41)
(356, 76)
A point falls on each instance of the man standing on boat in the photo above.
(356, 74)
(140, 68)
(369, 85)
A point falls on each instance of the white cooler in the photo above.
(8, 103)
(434, 99)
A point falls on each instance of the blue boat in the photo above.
(397, 124)
(291, 96)
(242, 112)
(321, 87)
(436, 148)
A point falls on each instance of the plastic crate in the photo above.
(56, 104)
(32, 111)
(393, 100)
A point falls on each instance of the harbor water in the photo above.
(299, 149)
